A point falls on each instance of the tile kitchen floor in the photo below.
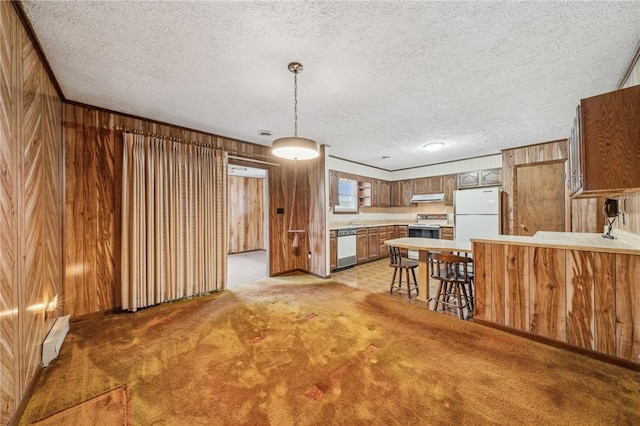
(376, 277)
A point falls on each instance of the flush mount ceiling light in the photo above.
(295, 148)
(433, 146)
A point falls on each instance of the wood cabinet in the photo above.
(382, 237)
(362, 245)
(469, 179)
(385, 193)
(333, 250)
(450, 184)
(480, 178)
(491, 177)
(392, 232)
(403, 232)
(428, 185)
(401, 192)
(604, 144)
(446, 233)
(374, 243)
(582, 297)
(333, 188)
(380, 193)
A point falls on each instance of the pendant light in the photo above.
(295, 148)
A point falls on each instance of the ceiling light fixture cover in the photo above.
(295, 148)
(433, 146)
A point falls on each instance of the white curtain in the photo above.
(174, 220)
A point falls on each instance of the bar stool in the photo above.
(456, 281)
(399, 263)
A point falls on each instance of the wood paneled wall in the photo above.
(93, 163)
(307, 177)
(31, 188)
(246, 214)
(585, 298)
(554, 150)
(632, 213)
(586, 214)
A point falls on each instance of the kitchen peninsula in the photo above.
(573, 289)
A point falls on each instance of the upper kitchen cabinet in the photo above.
(428, 185)
(380, 193)
(401, 193)
(478, 178)
(385, 193)
(491, 177)
(450, 184)
(605, 144)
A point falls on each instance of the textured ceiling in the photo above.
(380, 78)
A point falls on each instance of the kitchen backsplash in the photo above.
(408, 214)
(631, 214)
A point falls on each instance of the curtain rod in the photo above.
(235, 157)
(189, 142)
(169, 138)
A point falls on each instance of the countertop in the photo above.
(625, 243)
(430, 244)
(335, 227)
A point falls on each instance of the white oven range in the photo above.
(426, 226)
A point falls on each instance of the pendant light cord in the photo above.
(295, 104)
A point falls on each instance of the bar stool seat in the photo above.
(456, 281)
(399, 263)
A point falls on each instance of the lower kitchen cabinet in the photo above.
(382, 237)
(333, 250)
(362, 245)
(403, 232)
(374, 243)
(446, 233)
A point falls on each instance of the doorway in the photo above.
(247, 255)
(539, 198)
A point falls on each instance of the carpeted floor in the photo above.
(109, 409)
(280, 353)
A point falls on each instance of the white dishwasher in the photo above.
(346, 247)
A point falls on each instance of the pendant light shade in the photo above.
(295, 148)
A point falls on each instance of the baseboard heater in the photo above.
(52, 344)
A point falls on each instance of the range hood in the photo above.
(426, 198)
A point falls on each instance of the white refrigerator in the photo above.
(477, 213)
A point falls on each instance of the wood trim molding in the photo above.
(15, 420)
(533, 144)
(562, 345)
(37, 46)
(632, 64)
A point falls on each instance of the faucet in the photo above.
(353, 221)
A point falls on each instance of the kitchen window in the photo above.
(347, 196)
